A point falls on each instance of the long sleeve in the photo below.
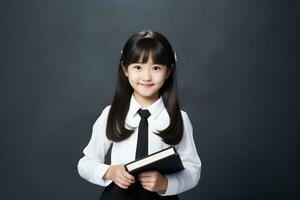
(91, 166)
(189, 177)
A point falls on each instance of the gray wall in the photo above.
(238, 81)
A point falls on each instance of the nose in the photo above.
(147, 75)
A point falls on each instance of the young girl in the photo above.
(146, 85)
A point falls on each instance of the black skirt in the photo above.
(134, 192)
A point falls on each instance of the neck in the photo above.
(145, 102)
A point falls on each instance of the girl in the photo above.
(146, 85)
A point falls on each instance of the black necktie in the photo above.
(142, 142)
(141, 150)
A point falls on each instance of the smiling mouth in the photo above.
(147, 85)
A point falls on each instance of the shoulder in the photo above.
(106, 109)
(184, 115)
(103, 116)
(186, 120)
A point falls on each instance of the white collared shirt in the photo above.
(92, 167)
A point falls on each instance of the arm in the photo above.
(91, 166)
(189, 177)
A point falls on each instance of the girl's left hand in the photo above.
(153, 181)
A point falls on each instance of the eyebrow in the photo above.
(146, 63)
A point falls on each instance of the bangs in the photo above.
(140, 52)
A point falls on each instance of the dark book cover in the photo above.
(165, 164)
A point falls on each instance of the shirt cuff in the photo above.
(172, 188)
(99, 173)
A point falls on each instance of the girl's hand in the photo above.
(120, 176)
(153, 181)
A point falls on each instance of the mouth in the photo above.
(147, 85)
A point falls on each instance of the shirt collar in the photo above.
(154, 109)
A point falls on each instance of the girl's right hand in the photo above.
(120, 176)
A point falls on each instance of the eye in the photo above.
(138, 67)
(156, 67)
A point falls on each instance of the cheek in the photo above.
(133, 78)
(160, 78)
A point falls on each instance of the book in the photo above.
(166, 161)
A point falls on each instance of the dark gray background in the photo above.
(238, 75)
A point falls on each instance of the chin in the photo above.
(147, 95)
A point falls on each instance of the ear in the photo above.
(125, 70)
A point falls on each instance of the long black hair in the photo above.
(137, 49)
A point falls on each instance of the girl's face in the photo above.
(146, 80)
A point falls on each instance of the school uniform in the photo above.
(92, 167)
